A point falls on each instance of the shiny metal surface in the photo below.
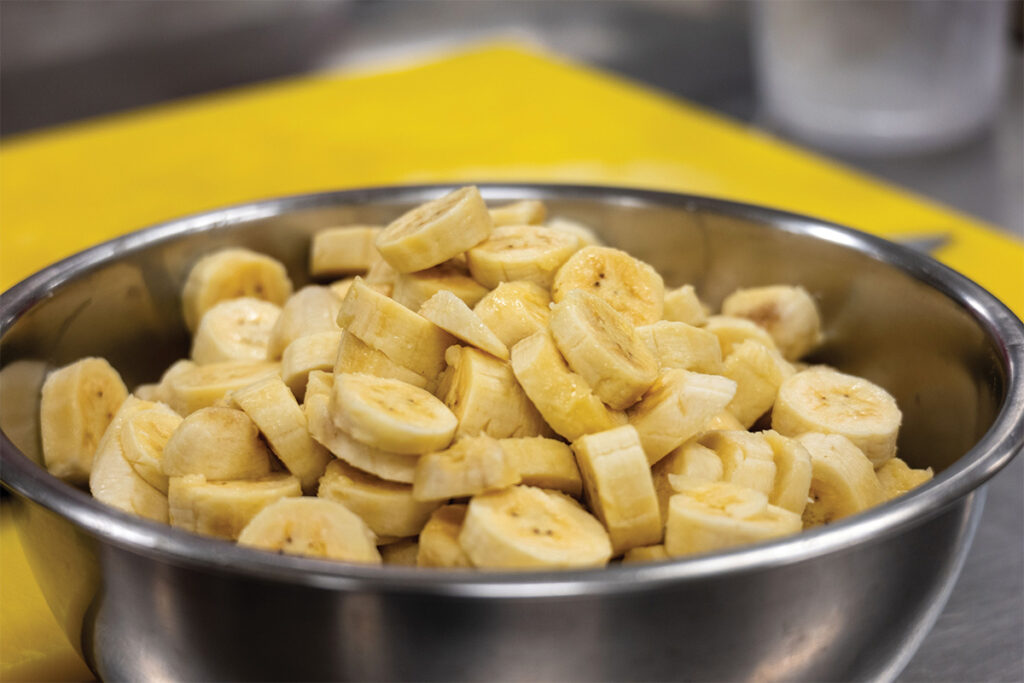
(849, 602)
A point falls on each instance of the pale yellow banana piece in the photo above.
(77, 405)
(381, 277)
(412, 289)
(235, 329)
(647, 553)
(586, 234)
(692, 461)
(387, 507)
(310, 310)
(732, 331)
(792, 472)
(747, 458)
(391, 415)
(601, 346)
(788, 313)
(355, 356)
(682, 305)
(515, 310)
(219, 443)
(343, 250)
(232, 274)
(307, 354)
(223, 508)
(341, 287)
(758, 372)
(314, 527)
(150, 391)
(161, 391)
(472, 465)
(320, 383)
(682, 346)
(484, 395)
(436, 231)
(843, 482)
(523, 212)
(273, 409)
(523, 527)
(824, 400)
(721, 515)
(544, 463)
(143, 438)
(113, 481)
(406, 337)
(678, 406)
(401, 553)
(632, 287)
(439, 541)
(191, 387)
(619, 488)
(529, 253)
(390, 466)
(723, 420)
(896, 477)
(452, 315)
(561, 396)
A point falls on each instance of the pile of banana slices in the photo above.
(479, 388)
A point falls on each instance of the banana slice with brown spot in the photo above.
(310, 310)
(343, 250)
(788, 313)
(452, 315)
(219, 443)
(529, 253)
(515, 310)
(843, 482)
(232, 274)
(223, 508)
(472, 465)
(313, 527)
(632, 287)
(439, 541)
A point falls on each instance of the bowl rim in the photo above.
(990, 454)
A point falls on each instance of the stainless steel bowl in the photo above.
(851, 601)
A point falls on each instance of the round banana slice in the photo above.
(224, 508)
(523, 527)
(632, 287)
(143, 438)
(391, 415)
(314, 527)
(824, 400)
(515, 310)
(600, 344)
(792, 472)
(682, 305)
(235, 329)
(896, 477)
(472, 465)
(758, 372)
(232, 274)
(544, 463)
(452, 315)
(439, 540)
(310, 310)
(521, 253)
(412, 289)
(343, 250)
(788, 313)
(843, 482)
(436, 231)
(523, 212)
(77, 405)
(219, 443)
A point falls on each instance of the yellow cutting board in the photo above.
(496, 112)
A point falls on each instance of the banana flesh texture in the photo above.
(824, 400)
(647, 553)
(313, 527)
(236, 329)
(793, 472)
(143, 438)
(232, 274)
(682, 305)
(523, 212)
(412, 289)
(843, 482)
(515, 310)
(355, 356)
(788, 313)
(682, 346)
(223, 508)
(693, 462)
(731, 331)
(400, 553)
(523, 527)
(544, 463)
(473, 465)
(747, 458)
(629, 285)
(190, 387)
(897, 477)
(758, 372)
(219, 443)
(343, 250)
(310, 310)
(307, 354)
(452, 315)
(530, 253)
(439, 541)
(77, 405)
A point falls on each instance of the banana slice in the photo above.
(439, 540)
(678, 406)
(143, 438)
(343, 250)
(619, 488)
(381, 277)
(354, 356)
(404, 336)
(792, 472)
(720, 515)
(113, 481)
(314, 527)
(788, 313)
(732, 331)
(472, 465)
(585, 234)
(235, 329)
(412, 289)
(190, 387)
(529, 253)
(223, 508)
(219, 443)
(387, 507)
(391, 415)
(161, 391)
(402, 553)
(824, 400)
(232, 274)
(648, 553)
(843, 482)
(682, 346)
(436, 231)
(320, 383)
(310, 310)
(599, 344)
(523, 212)
(632, 287)
(523, 527)
(561, 396)
(485, 397)
(515, 310)
(758, 372)
(308, 354)
(544, 463)
(682, 305)
(77, 405)
(272, 407)
(452, 315)
(341, 287)
(896, 478)
(692, 461)
(722, 421)
(747, 459)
